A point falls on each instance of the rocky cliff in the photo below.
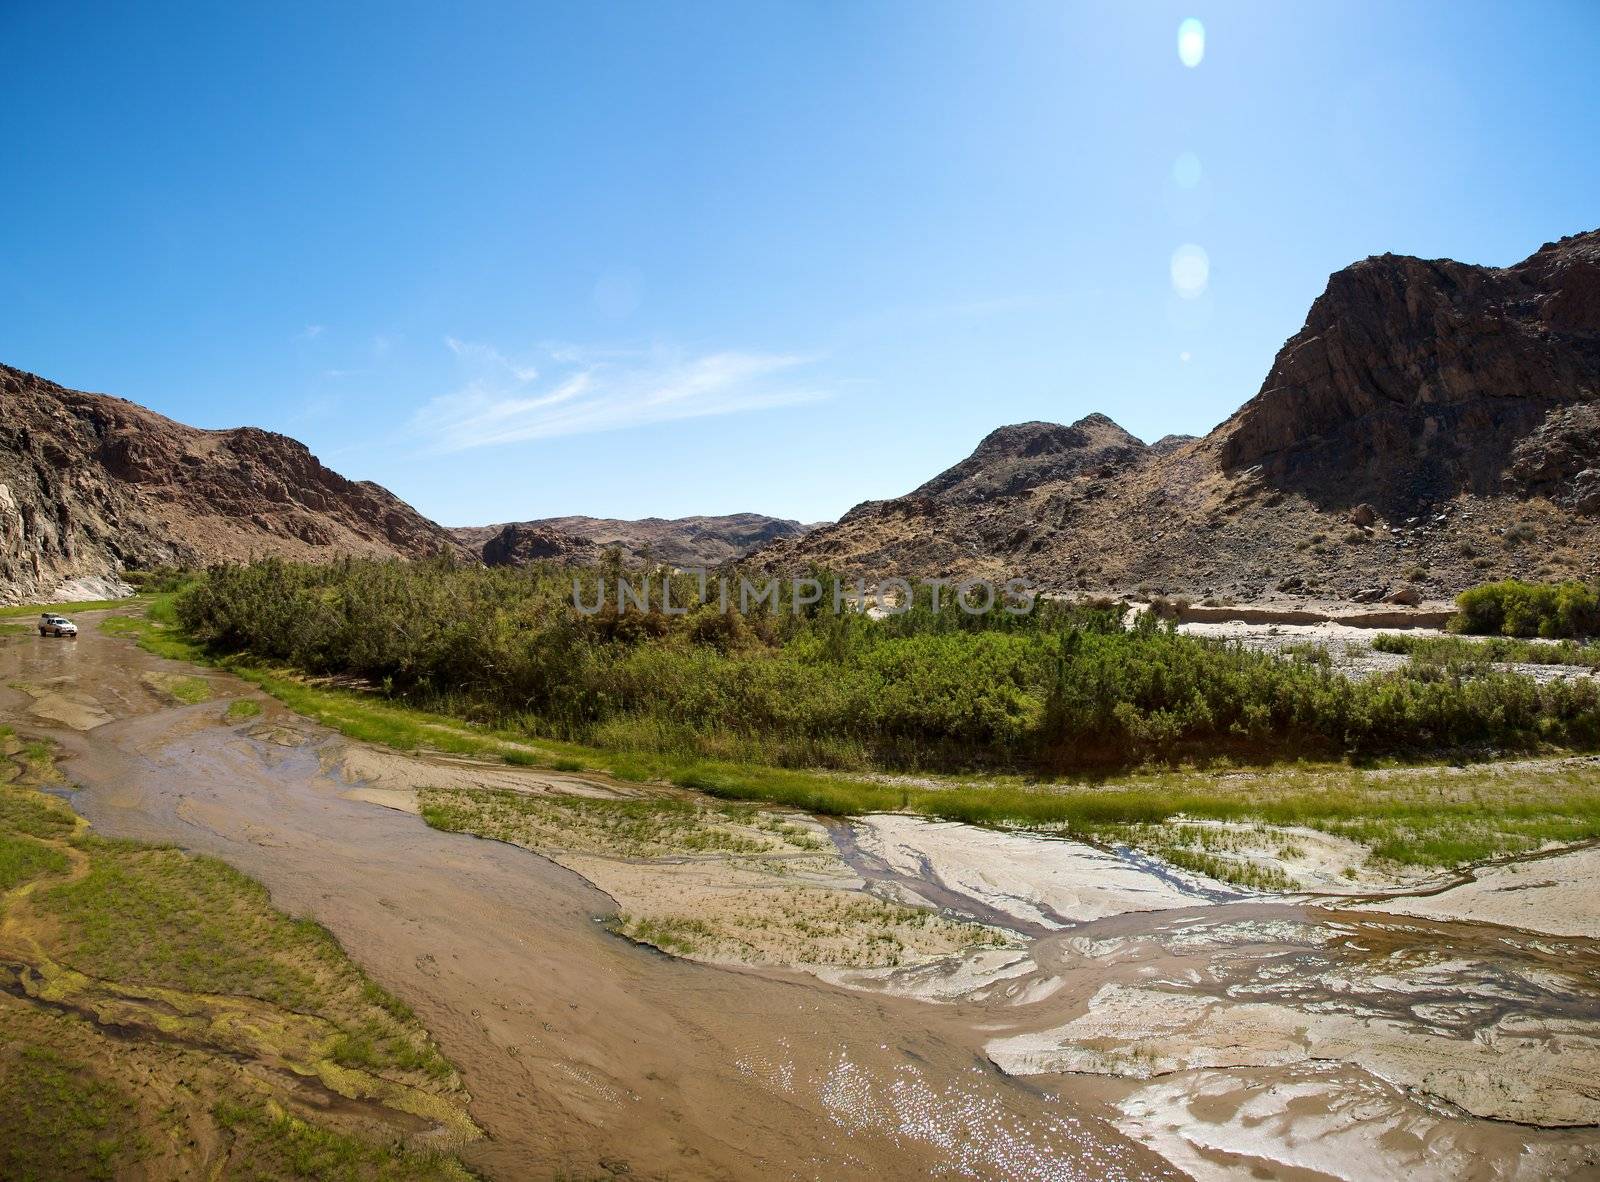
(1414, 380)
(92, 485)
(1433, 425)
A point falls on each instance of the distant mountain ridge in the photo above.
(678, 541)
(92, 485)
(1433, 425)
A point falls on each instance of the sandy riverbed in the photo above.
(1350, 649)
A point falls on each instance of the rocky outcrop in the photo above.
(520, 544)
(1560, 459)
(677, 541)
(92, 485)
(1413, 380)
(988, 509)
(1012, 460)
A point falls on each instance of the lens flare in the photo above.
(1191, 42)
(1186, 171)
(1191, 271)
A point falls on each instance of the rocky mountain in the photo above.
(1012, 460)
(92, 485)
(680, 541)
(1433, 425)
(1414, 380)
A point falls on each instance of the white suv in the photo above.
(50, 625)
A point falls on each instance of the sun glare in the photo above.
(1191, 271)
(1191, 42)
(1186, 171)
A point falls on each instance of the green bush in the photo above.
(1513, 608)
(1061, 689)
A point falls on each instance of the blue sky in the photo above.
(651, 258)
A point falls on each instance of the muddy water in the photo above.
(585, 1055)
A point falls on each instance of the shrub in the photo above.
(1061, 689)
(1514, 608)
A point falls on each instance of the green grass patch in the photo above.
(241, 709)
(155, 631)
(156, 916)
(23, 859)
(34, 814)
(61, 1121)
(274, 1145)
(189, 690)
(34, 610)
(639, 828)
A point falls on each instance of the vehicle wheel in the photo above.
(42, 632)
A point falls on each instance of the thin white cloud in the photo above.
(312, 332)
(489, 356)
(502, 404)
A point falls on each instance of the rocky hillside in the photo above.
(680, 541)
(1433, 425)
(92, 485)
(1413, 380)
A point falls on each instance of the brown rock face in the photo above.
(677, 541)
(991, 511)
(1413, 380)
(1561, 459)
(520, 544)
(1011, 460)
(92, 485)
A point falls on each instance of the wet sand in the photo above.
(1218, 1035)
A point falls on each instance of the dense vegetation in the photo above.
(1060, 689)
(1513, 608)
